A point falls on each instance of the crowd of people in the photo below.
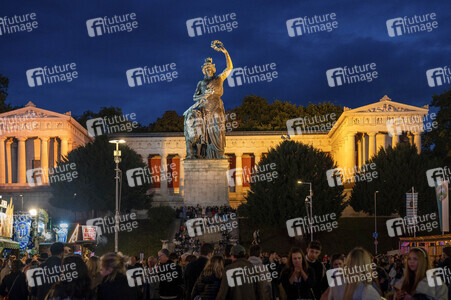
(237, 273)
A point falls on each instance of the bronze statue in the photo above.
(205, 120)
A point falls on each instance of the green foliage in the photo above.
(95, 185)
(273, 203)
(169, 122)
(439, 138)
(398, 170)
(108, 112)
(161, 216)
(4, 83)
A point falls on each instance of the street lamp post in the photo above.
(375, 223)
(117, 160)
(21, 196)
(310, 203)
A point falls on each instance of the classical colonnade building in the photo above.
(354, 138)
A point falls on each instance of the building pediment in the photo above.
(386, 105)
(30, 111)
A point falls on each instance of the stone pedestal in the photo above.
(206, 182)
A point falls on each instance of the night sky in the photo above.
(260, 37)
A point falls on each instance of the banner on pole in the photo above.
(411, 209)
(442, 193)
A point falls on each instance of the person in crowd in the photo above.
(227, 255)
(93, 265)
(382, 277)
(194, 269)
(208, 283)
(54, 263)
(414, 282)
(133, 263)
(274, 268)
(150, 289)
(446, 264)
(319, 283)
(173, 288)
(297, 278)
(246, 291)
(337, 261)
(114, 284)
(75, 283)
(14, 285)
(255, 253)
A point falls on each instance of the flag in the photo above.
(441, 191)
(411, 210)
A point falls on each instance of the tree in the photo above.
(4, 83)
(170, 122)
(275, 202)
(95, 185)
(398, 170)
(437, 139)
(110, 113)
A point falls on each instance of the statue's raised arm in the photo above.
(219, 46)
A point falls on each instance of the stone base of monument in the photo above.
(206, 182)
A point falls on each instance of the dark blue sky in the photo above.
(261, 38)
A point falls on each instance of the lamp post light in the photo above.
(34, 214)
(21, 196)
(117, 160)
(375, 223)
(309, 201)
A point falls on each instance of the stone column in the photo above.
(2, 160)
(371, 144)
(164, 183)
(359, 152)
(350, 150)
(64, 146)
(44, 157)
(239, 174)
(21, 161)
(410, 136)
(181, 176)
(70, 145)
(394, 140)
(380, 141)
(55, 152)
(364, 157)
(8, 160)
(417, 141)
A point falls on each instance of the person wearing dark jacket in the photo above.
(298, 278)
(195, 268)
(115, 284)
(172, 285)
(446, 263)
(208, 283)
(14, 285)
(319, 283)
(53, 264)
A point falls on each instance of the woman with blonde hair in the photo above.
(115, 284)
(93, 265)
(209, 281)
(414, 282)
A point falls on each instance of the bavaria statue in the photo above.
(205, 119)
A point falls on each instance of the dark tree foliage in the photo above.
(438, 140)
(109, 113)
(169, 122)
(398, 170)
(95, 185)
(275, 202)
(4, 83)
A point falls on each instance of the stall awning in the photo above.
(4, 243)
